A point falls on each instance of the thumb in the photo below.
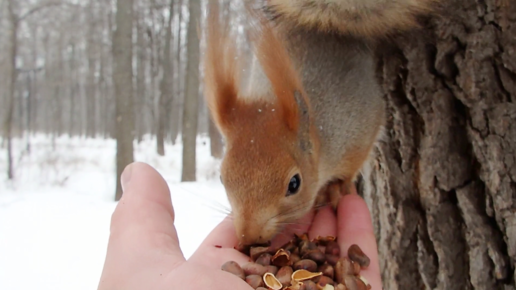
(143, 237)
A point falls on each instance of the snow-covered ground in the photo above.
(54, 218)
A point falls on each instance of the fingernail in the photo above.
(126, 175)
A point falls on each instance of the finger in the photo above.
(142, 234)
(219, 247)
(324, 224)
(222, 236)
(355, 227)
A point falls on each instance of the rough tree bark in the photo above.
(442, 184)
(191, 107)
(122, 79)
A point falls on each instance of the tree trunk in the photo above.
(13, 49)
(191, 107)
(91, 120)
(122, 79)
(165, 85)
(28, 106)
(59, 90)
(154, 68)
(216, 146)
(73, 117)
(140, 80)
(176, 102)
(442, 184)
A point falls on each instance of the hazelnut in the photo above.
(327, 270)
(323, 281)
(233, 268)
(254, 269)
(255, 252)
(294, 258)
(356, 268)
(264, 259)
(310, 285)
(284, 275)
(315, 255)
(272, 269)
(332, 248)
(328, 287)
(342, 269)
(254, 281)
(306, 264)
(354, 283)
(332, 259)
(356, 254)
(306, 246)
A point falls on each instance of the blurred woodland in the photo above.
(441, 186)
(105, 68)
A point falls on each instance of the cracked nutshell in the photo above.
(302, 264)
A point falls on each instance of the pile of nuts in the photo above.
(303, 264)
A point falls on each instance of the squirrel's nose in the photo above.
(249, 234)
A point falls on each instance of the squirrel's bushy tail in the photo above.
(369, 18)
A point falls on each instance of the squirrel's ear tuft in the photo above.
(220, 67)
(277, 66)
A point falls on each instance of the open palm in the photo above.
(144, 253)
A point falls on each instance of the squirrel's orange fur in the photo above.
(248, 124)
(313, 109)
(275, 62)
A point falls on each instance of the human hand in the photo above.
(143, 250)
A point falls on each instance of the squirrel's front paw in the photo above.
(331, 193)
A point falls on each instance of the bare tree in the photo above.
(165, 98)
(140, 75)
(91, 120)
(122, 79)
(14, 22)
(177, 101)
(15, 18)
(190, 107)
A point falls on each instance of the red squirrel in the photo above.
(307, 117)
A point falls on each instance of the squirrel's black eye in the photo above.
(294, 185)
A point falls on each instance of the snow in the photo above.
(54, 218)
